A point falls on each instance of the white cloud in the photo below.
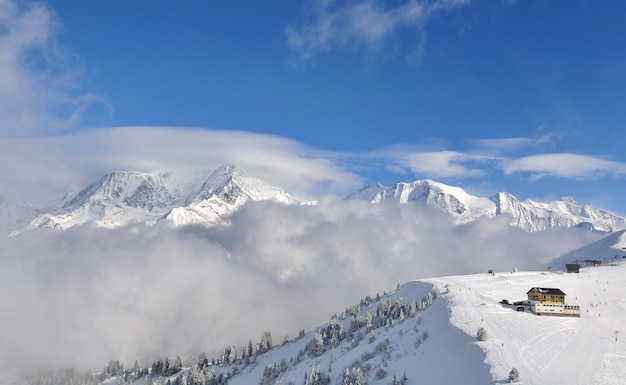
(504, 144)
(39, 83)
(508, 145)
(441, 164)
(363, 25)
(572, 166)
(36, 169)
(85, 296)
(495, 158)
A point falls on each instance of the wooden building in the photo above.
(546, 295)
(550, 301)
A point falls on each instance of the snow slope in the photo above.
(546, 350)
(425, 331)
(609, 249)
(423, 347)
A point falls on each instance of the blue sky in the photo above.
(318, 96)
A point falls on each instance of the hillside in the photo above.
(609, 249)
(425, 332)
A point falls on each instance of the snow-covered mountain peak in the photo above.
(454, 200)
(218, 181)
(569, 200)
(126, 188)
(233, 186)
(117, 199)
(224, 192)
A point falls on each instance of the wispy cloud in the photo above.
(445, 164)
(366, 26)
(509, 145)
(39, 83)
(497, 156)
(563, 165)
(504, 144)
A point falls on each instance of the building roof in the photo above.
(547, 290)
(572, 265)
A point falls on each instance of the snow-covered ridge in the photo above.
(15, 215)
(223, 193)
(453, 200)
(117, 199)
(608, 250)
(128, 197)
(123, 198)
(528, 215)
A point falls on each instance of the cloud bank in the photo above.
(85, 296)
(41, 170)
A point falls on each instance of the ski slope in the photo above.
(546, 350)
(437, 344)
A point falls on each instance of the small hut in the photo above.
(572, 267)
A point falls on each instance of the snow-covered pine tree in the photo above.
(481, 334)
(353, 376)
(380, 372)
(232, 356)
(247, 350)
(266, 343)
(273, 371)
(514, 375)
(203, 361)
(315, 347)
(412, 309)
(175, 366)
(316, 377)
(196, 376)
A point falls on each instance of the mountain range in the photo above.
(128, 197)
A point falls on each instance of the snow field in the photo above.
(545, 349)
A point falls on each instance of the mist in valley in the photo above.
(84, 296)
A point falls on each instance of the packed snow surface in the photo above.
(546, 350)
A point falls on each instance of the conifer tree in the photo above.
(353, 376)
(514, 375)
(481, 334)
(266, 343)
(316, 345)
